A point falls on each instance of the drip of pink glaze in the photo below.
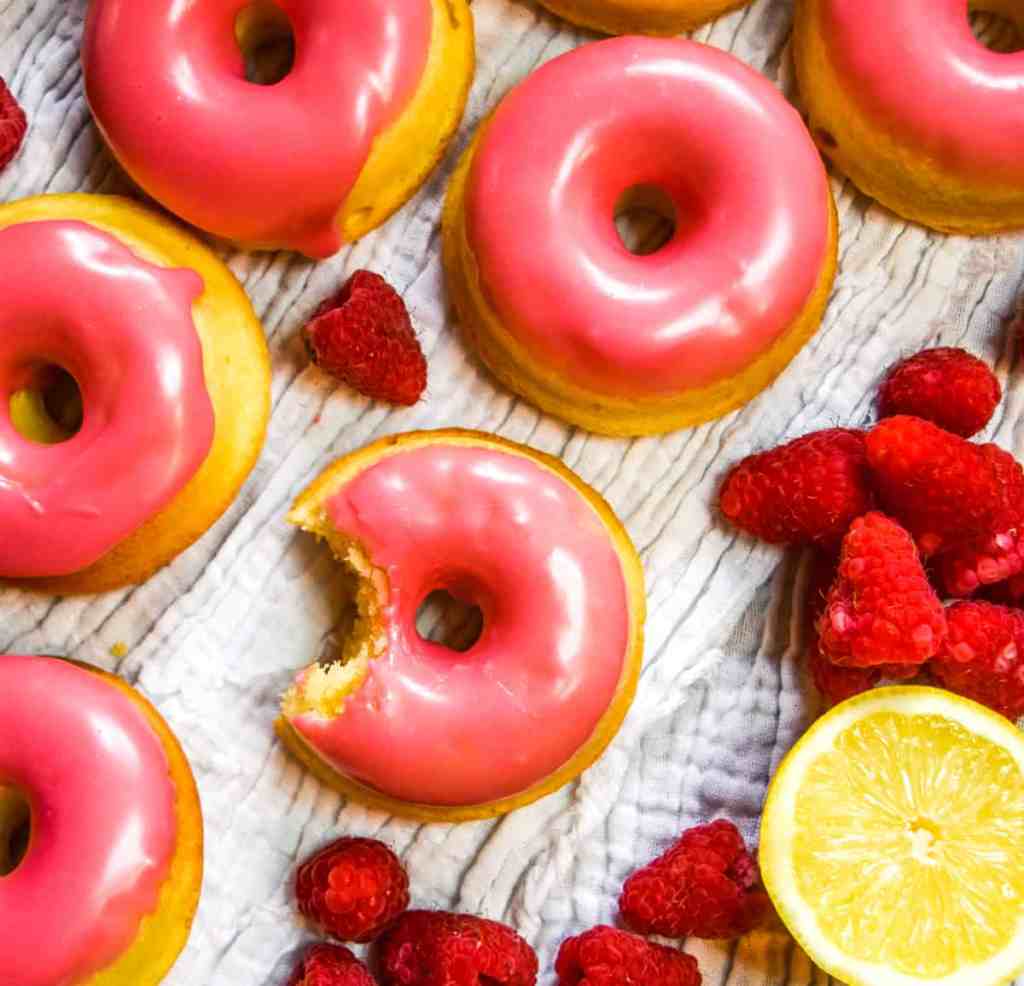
(103, 821)
(268, 165)
(918, 69)
(497, 530)
(75, 296)
(749, 190)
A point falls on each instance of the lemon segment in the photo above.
(892, 841)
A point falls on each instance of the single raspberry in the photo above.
(983, 657)
(836, 684)
(805, 492)
(434, 948)
(352, 889)
(946, 386)
(606, 956)
(940, 487)
(331, 965)
(998, 554)
(706, 885)
(364, 337)
(13, 126)
(881, 609)
(982, 561)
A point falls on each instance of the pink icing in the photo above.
(103, 821)
(268, 165)
(748, 187)
(496, 529)
(75, 296)
(917, 67)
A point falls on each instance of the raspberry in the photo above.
(434, 948)
(13, 126)
(363, 336)
(881, 610)
(606, 956)
(983, 561)
(983, 658)
(942, 488)
(948, 387)
(806, 492)
(706, 885)
(836, 683)
(352, 889)
(998, 554)
(331, 965)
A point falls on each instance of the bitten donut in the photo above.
(326, 154)
(555, 304)
(417, 728)
(915, 109)
(101, 834)
(173, 375)
(641, 16)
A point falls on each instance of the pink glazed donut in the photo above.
(319, 158)
(918, 112)
(563, 313)
(420, 729)
(100, 830)
(173, 377)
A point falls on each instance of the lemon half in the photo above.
(892, 841)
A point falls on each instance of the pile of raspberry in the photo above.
(356, 890)
(918, 536)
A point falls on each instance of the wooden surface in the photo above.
(214, 638)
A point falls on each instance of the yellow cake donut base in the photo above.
(237, 368)
(163, 934)
(309, 513)
(878, 161)
(513, 366)
(657, 17)
(404, 155)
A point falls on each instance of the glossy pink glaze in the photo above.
(916, 66)
(495, 529)
(264, 165)
(748, 187)
(75, 296)
(103, 821)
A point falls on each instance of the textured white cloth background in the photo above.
(214, 638)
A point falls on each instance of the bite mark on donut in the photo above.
(323, 687)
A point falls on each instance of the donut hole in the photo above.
(645, 219)
(48, 410)
(15, 829)
(997, 25)
(448, 621)
(266, 40)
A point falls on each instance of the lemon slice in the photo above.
(892, 841)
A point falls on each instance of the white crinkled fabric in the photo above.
(214, 638)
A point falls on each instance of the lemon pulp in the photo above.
(893, 841)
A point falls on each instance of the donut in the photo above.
(908, 103)
(641, 16)
(174, 380)
(102, 881)
(420, 729)
(563, 313)
(316, 160)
